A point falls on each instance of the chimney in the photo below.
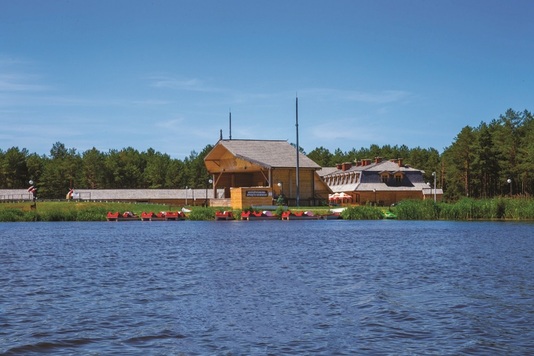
(339, 165)
(346, 165)
(378, 159)
(400, 162)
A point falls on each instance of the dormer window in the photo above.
(384, 177)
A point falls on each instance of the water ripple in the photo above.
(330, 288)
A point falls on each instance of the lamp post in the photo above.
(186, 189)
(509, 181)
(280, 199)
(434, 175)
(374, 191)
(206, 196)
(33, 191)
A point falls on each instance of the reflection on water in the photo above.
(267, 287)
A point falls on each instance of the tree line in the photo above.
(493, 159)
(65, 168)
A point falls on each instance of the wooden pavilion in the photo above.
(257, 172)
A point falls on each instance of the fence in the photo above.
(16, 197)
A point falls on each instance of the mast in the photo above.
(230, 123)
(297, 129)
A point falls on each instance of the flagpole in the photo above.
(297, 129)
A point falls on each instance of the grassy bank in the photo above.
(465, 209)
(72, 211)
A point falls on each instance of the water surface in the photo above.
(267, 287)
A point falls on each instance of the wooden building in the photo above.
(257, 172)
(380, 182)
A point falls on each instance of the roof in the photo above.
(369, 177)
(265, 153)
(326, 171)
(382, 187)
(383, 166)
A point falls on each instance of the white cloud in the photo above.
(171, 125)
(369, 97)
(150, 102)
(14, 76)
(343, 131)
(170, 82)
(20, 83)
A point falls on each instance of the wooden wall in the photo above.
(242, 198)
(288, 178)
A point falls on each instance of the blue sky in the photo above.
(164, 74)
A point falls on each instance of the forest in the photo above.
(494, 159)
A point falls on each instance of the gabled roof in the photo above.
(383, 166)
(392, 167)
(264, 153)
(370, 180)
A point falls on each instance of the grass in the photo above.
(464, 209)
(72, 211)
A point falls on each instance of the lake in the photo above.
(267, 288)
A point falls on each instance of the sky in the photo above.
(165, 74)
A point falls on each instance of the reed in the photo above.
(467, 209)
(519, 209)
(361, 213)
(417, 210)
(472, 209)
(202, 213)
(11, 215)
